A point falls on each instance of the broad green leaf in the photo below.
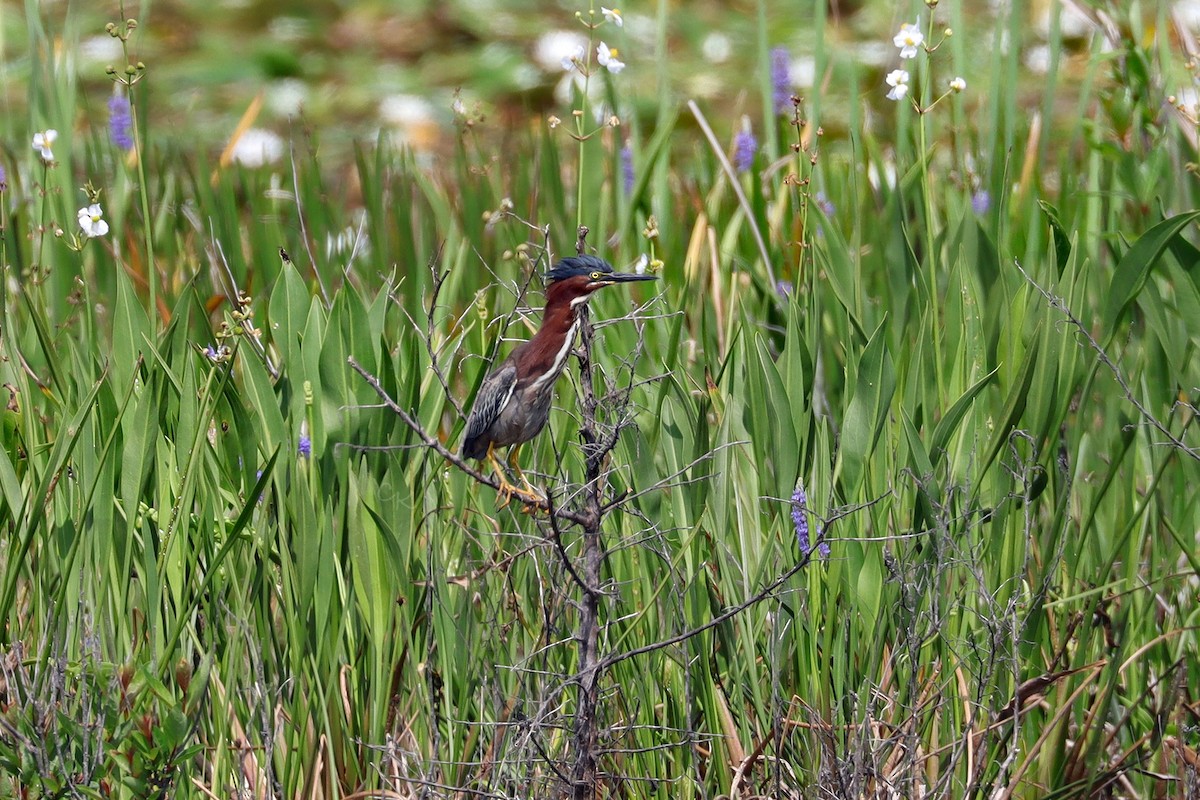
(948, 424)
(1015, 406)
(873, 390)
(288, 310)
(777, 428)
(261, 398)
(842, 275)
(869, 584)
(1137, 263)
(1062, 240)
(131, 327)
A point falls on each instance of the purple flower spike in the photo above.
(305, 446)
(627, 174)
(981, 201)
(800, 522)
(800, 519)
(744, 148)
(120, 121)
(825, 204)
(781, 79)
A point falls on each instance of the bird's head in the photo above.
(576, 277)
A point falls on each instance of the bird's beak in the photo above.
(627, 277)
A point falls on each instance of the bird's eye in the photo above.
(595, 276)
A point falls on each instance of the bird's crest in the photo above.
(571, 266)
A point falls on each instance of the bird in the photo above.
(513, 402)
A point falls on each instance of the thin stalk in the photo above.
(35, 263)
(926, 192)
(581, 114)
(131, 75)
(144, 195)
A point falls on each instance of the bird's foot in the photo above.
(529, 496)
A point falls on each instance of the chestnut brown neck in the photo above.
(546, 353)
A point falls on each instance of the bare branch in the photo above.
(1060, 305)
(433, 443)
(439, 280)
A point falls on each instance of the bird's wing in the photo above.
(494, 394)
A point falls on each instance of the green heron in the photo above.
(513, 403)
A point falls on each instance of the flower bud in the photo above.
(183, 674)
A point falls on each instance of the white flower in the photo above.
(257, 147)
(643, 262)
(898, 80)
(91, 219)
(573, 58)
(909, 39)
(613, 15)
(42, 140)
(407, 110)
(716, 48)
(1037, 59)
(958, 85)
(556, 48)
(608, 58)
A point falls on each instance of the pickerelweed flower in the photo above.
(3, 179)
(825, 204)
(43, 141)
(91, 220)
(744, 147)
(613, 15)
(784, 289)
(781, 79)
(304, 448)
(217, 354)
(909, 39)
(607, 57)
(958, 85)
(627, 173)
(981, 201)
(800, 523)
(898, 80)
(120, 121)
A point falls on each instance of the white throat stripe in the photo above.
(560, 358)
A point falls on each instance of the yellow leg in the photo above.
(529, 487)
(507, 489)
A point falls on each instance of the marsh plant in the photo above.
(887, 490)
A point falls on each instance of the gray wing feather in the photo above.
(493, 396)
